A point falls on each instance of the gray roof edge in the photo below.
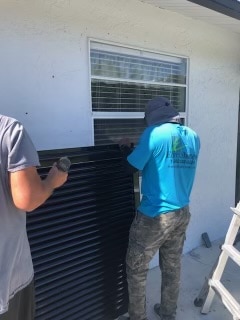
(229, 8)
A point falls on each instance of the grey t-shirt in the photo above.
(16, 153)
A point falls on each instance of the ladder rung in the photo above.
(231, 304)
(232, 252)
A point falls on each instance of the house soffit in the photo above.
(223, 13)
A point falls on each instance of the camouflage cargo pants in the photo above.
(165, 233)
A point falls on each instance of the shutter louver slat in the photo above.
(79, 237)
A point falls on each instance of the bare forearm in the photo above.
(29, 191)
(38, 197)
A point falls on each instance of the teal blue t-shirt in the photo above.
(167, 155)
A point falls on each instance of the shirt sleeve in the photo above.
(143, 151)
(21, 151)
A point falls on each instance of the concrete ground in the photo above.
(197, 265)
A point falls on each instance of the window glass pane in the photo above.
(130, 67)
(115, 96)
(124, 80)
(109, 131)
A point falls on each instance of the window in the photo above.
(123, 80)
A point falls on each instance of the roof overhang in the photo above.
(229, 8)
(223, 13)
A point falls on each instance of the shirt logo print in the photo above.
(177, 144)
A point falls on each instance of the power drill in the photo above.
(64, 164)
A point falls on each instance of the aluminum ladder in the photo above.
(213, 284)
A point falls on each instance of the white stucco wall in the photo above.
(45, 83)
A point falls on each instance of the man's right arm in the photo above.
(29, 191)
(126, 150)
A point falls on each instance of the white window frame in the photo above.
(144, 52)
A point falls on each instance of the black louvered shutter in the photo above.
(79, 237)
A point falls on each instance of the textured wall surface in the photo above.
(45, 83)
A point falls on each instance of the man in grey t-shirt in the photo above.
(21, 190)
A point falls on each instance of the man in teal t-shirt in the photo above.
(167, 155)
